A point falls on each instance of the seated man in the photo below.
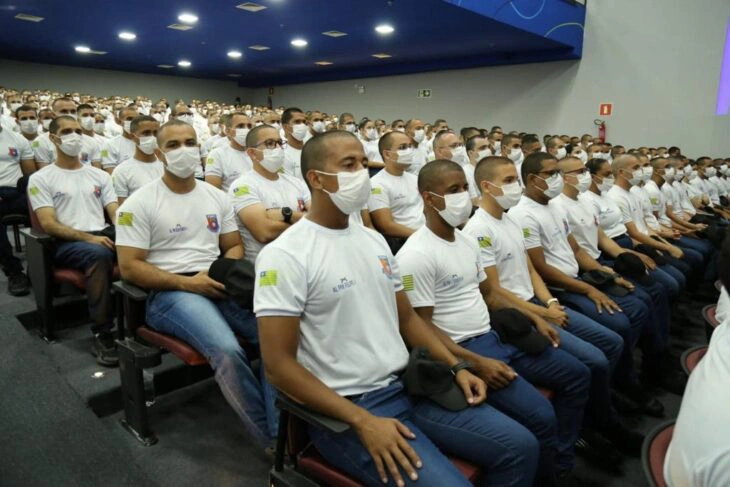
(559, 260)
(395, 206)
(511, 148)
(510, 275)
(69, 200)
(122, 147)
(227, 163)
(295, 128)
(477, 148)
(698, 454)
(334, 321)
(170, 232)
(266, 200)
(144, 167)
(16, 164)
(448, 146)
(415, 129)
(437, 266)
(45, 149)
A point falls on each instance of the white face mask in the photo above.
(511, 194)
(371, 134)
(240, 136)
(158, 117)
(71, 144)
(692, 175)
(258, 124)
(584, 182)
(276, 125)
(606, 184)
(127, 126)
(582, 156)
(458, 208)
(459, 156)
(483, 153)
(353, 190)
(46, 123)
(418, 135)
(183, 161)
(99, 128)
(273, 159)
(665, 155)
(248, 113)
(555, 185)
(669, 174)
(15, 106)
(497, 146)
(516, 155)
(148, 144)
(400, 129)
(561, 153)
(186, 118)
(723, 169)
(87, 122)
(215, 129)
(351, 127)
(299, 131)
(29, 126)
(405, 156)
(646, 173)
(710, 172)
(636, 177)
(318, 127)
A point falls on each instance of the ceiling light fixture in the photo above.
(29, 18)
(127, 36)
(324, 63)
(251, 7)
(165, 66)
(234, 54)
(259, 47)
(334, 33)
(299, 43)
(184, 63)
(187, 18)
(82, 49)
(384, 29)
(382, 55)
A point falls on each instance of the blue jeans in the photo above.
(97, 264)
(208, 326)
(555, 369)
(505, 449)
(707, 251)
(670, 278)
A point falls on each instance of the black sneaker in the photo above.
(647, 403)
(18, 284)
(105, 350)
(598, 451)
(625, 440)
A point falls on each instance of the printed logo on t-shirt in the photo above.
(241, 191)
(104, 153)
(209, 161)
(268, 278)
(97, 191)
(343, 285)
(34, 191)
(408, 284)
(125, 219)
(178, 229)
(12, 152)
(385, 264)
(484, 242)
(300, 204)
(212, 222)
(566, 227)
(85, 157)
(525, 232)
(376, 190)
(35, 144)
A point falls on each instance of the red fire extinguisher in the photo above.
(601, 129)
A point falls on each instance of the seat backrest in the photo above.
(35, 224)
(693, 358)
(708, 313)
(656, 445)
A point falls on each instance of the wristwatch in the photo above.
(551, 301)
(465, 364)
(286, 213)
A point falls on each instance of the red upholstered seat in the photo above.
(691, 358)
(74, 277)
(709, 313)
(655, 450)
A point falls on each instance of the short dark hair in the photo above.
(485, 168)
(395, 122)
(465, 131)
(25, 108)
(314, 150)
(552, 141)
(507, 139)
(533, 164)
(289, 114)
(53, 128)
(138, 120)
(62, 98)
(363, 123)
(438, 121)
(432, 171)
(386, 140)
(345, 114)
(439, 135)
(471, 142)
(594, 165)
(252, 138)
(530, 139)
(231, 116)
(84, 106)
(172, 123)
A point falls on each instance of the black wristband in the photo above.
(464, 364)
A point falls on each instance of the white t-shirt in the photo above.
(583, 222)
(371, 150)
(630, 207)
(699, 454)
(211, 143)
(474, 191)
(722, 311)
(45, 150)
(252, 188)
(293, 162)
(671, 197)
(501, 244)
(420, 157)
(79, 196)
(658, 201)
(718, 185)
(13, 149)
(132, 174)
(228, 164)
(342, 285)
(610, 218)
(542, 227)
(399, 194)
(116, 151)
(644, 200)
(180, 231)
(683, 192)
(446, 276)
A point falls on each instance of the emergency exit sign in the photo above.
(605, 109)
(424, 93)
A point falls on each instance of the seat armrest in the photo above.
(315, 419)
(130, 290)
(37, 235)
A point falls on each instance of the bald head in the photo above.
(625, 162)
(489, 168)
(321, 148)
(432, 174)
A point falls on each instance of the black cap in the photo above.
(238, 276)
(428, 378)
(604, 281)
(516, 329)
(631, 266)
(653, 253)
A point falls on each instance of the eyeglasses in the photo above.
(550, 173)
(582, 170)
(270, 143)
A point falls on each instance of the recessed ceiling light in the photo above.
(127, 36)
(234, 75)
(382, 55)
(334, 33)
(98, 53)
(187, 18)
(251, 7)
(384, 29)
(179, 26)
(324, 63)
(299, 43)
(259, 47)
(234, 54)
(29, 18)
(83, 49)
(165, 66)
(184, 64)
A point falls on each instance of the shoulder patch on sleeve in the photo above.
(268, 278)
(125, 219)
(33, 190)
(408, 284)
(484, 242)
(241, 191)
(35, 144)
(525, 232)
(376, 190)
(209, 161)
(104, 153)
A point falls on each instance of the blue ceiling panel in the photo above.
(429, 35)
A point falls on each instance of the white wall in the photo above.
(658, 61)
(101, 82)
